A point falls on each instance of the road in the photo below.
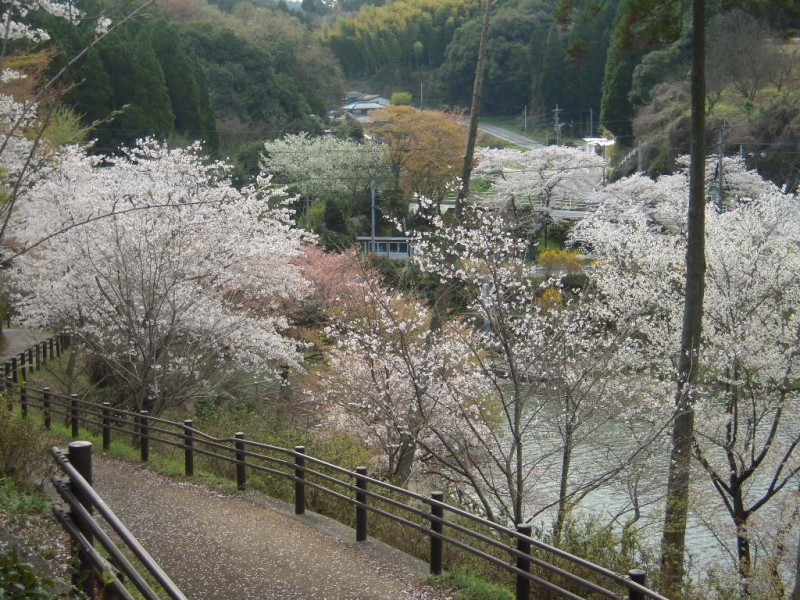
(510, 136)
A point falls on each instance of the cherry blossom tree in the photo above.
(322, 167)
(497, 402)
(743, 441)
(526, 184)
(555, 365)
(164, 272)
(410, 392)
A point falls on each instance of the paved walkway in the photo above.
(251, 547)
(19, 340)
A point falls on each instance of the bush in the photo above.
(20, 580)
(24, 455)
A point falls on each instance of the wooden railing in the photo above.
(525, 559)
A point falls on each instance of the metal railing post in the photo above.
(361, 504)
(38, 364)
(299, 482)
(80, 456)
(51, 343)
(106, 425)
(640, 577)
(73, 413)
(14, 372)
(241, 466)
(46, 408)
(523, 564)
(436, 527)
(22, 362)
(188, 448)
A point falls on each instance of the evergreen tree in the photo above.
(616, 111)
(140, 84)
(553, 67)
(185, 81)
(586, 57)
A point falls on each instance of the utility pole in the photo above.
(591, 122)
(557, 110)
(640, 163)
(372, 196)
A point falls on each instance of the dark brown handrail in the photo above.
(355, 488)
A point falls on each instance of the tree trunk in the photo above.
(677, 505)
(566, 461)
(475, 114)
(796, 590)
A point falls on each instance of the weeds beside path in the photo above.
(251, 547)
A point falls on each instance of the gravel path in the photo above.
(250, 547)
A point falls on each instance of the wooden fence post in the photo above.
(523, 564)
(436, 527)
(144, 435)
(22, 362)
(51, 343)
(38, 364)
(73, 412)
(361, 504)
(23, 400)
(14, 372)
(299, 482)
(46, 407)
(640, 577)
(106, 425)
(188, 448)
(241, 466)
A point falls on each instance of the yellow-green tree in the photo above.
(424, 149)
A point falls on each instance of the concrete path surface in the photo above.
(248, 546)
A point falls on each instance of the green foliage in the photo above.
(24, 456)
(553, 69)
(401, 99)
(20, 580)
(616, 111)
(18, 504)
(385, 39)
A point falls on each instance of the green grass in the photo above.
(469, 587)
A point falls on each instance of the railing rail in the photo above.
(513, 550)
(82, 500)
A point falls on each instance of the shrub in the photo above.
(24, 456)
(19, 580)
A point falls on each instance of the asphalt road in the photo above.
(510, 136)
